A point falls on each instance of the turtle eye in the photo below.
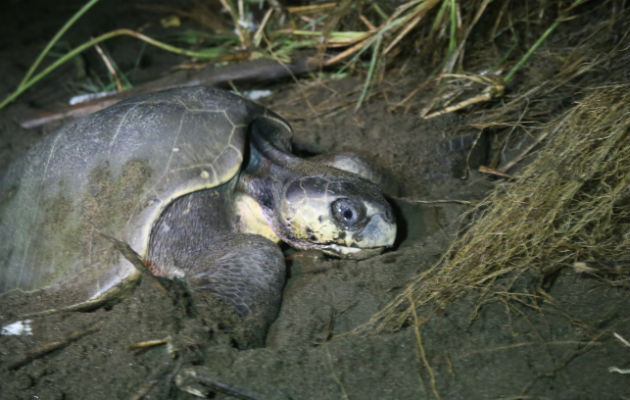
(349, 213)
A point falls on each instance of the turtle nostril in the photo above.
(389, 215)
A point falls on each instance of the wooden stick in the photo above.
(250, 71)
(52, 346)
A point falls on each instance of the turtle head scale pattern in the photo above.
(316, 205)
(336, 212)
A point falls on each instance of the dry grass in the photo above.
(568, 207)
(571, 204)
(347, 35)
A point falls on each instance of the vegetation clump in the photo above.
(570, 207)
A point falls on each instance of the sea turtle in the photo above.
(199, 183)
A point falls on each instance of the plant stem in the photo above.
(55, 39)
(368, 79)
(77, 50)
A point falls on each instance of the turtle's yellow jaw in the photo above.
(340, 215)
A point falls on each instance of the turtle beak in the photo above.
(379, 232)
(354, 253)
(372, 240)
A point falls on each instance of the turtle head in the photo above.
(336, 212)
(327, 203)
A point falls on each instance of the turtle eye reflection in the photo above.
(349, 213)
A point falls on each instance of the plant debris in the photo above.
(570, 204)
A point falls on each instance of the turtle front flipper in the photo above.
(237, 285)
(235, 279)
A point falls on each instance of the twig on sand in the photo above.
(441, 201)
(49, 347)
(423, 355)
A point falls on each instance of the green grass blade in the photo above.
(452, 43)
(77, 50)
(369, 77)
(531, 50)
(541, 39)
(56, 38)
